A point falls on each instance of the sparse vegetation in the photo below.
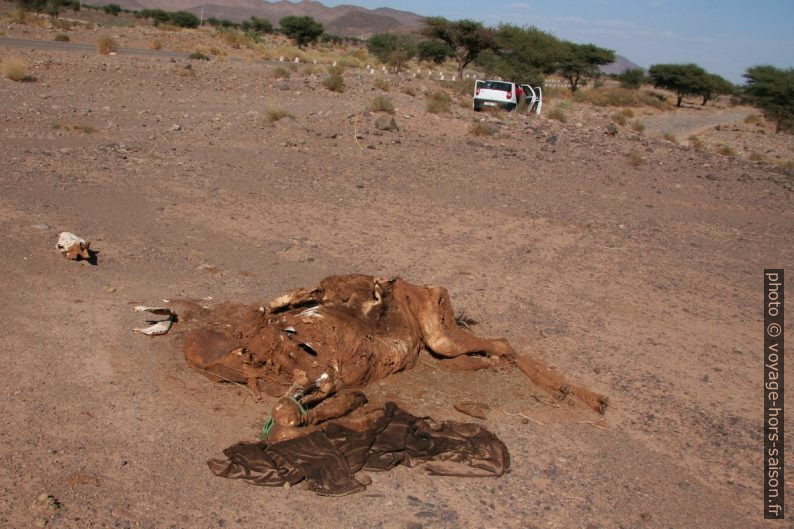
(112, 9)
(334, 83)
(696, 143)
(15, 69)
(726, 150)
(771, 89)
(105, 45)
(61, 37)
(755, 157)
(279, 72)
(274, 114)
(381, 104)
(753, 119)
(85, 129)
(638, 126)
(669, 136)
(198, 56)
(381, 84)
(410, 90)
(335, 70)
(483, 128)
(156, 44)
(635, 158)
(558, 114)
(439, 103)
(619, 118)
(615, 96)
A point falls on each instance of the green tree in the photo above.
(257, 25)
(112, 9)
(158, 15)
(303, 30)
(392, 48)
(712, 85)
(433, 50)
(682, 79)
(466, 38)
(771, 89)
(582, 61)
(523, 54)
(632, 78)
(184, 19)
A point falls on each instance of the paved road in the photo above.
(75, 46)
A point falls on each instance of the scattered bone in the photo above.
(73, 247)
(157, 327)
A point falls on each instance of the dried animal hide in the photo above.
(328, 458)
(345, 333)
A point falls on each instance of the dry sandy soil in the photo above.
(631, 264)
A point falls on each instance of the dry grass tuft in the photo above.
(198, 56)
(635, 158)
(156, 44)
(61, 37)
(105, 45)
(439, 103)
(85, 129)
(483, 128)
(638, 126)
(558, 114)
(755, 156)
(381, 104)
(619, 118)
(410, 90)
(726, 150)
(279, 72)
(753, 119)
(669, 136)
(381, 84)
(15, 69)
(334, 83)
(274, 114)
(696, 143)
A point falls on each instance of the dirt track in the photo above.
(685, 123)
(641, 282)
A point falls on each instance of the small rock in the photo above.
(552, 140)
(386, 122)
(176, 127)
(41, 226)
(611, 129)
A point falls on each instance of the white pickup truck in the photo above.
(506, 95)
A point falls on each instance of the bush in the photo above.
(257, 25)
(669, 136)
(335, 70)
(635, 158)
(637, 126)
(632, 78)
(183, 19)
(558, 114)
(753, 119)
(381, 84)
(279, 72)
(726, 150)
(381, 104)
(439, 103)
(756, 157)
(157, 15)
(112, 9)
(302, 29)
(198, 56)
(15, 69)
(156, 44)
(483, 128)
(61, 37)
(274, 114)
(434, 51)
(619, 118)
(696, 142)
(105, 44)
(410, 90)
(334, 83)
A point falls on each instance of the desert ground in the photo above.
(631, 263)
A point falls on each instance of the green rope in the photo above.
(269, 423)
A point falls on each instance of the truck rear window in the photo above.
(495, 85)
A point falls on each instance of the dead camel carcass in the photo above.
(310, 344)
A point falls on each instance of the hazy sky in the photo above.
(723, 36)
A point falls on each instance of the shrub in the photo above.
(410, 90)
(627, 112)
(632, 78)
(381, 104)
(112, 9)
(334, 83)
(483, 128)
(726, 150)
(635, 158)
(619, 118)
(637, 126)
(669, 136)
(302, 29)
(348, 61)
(464, 87)
(279, 72)
(183, 19)
(696, 143)
(381, 84)
(756, 157)
(335, 70)
(274, 114)
(558, 114)
(439, 103)
(234, 38)
(157, 15)
(198, 56)
(105, 44)
(753, 119)
(85, 129)
(15, 69)
(156, 44)
(61, 37)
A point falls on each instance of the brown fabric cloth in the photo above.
(327, 459)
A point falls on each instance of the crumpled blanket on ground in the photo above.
(327, 459)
